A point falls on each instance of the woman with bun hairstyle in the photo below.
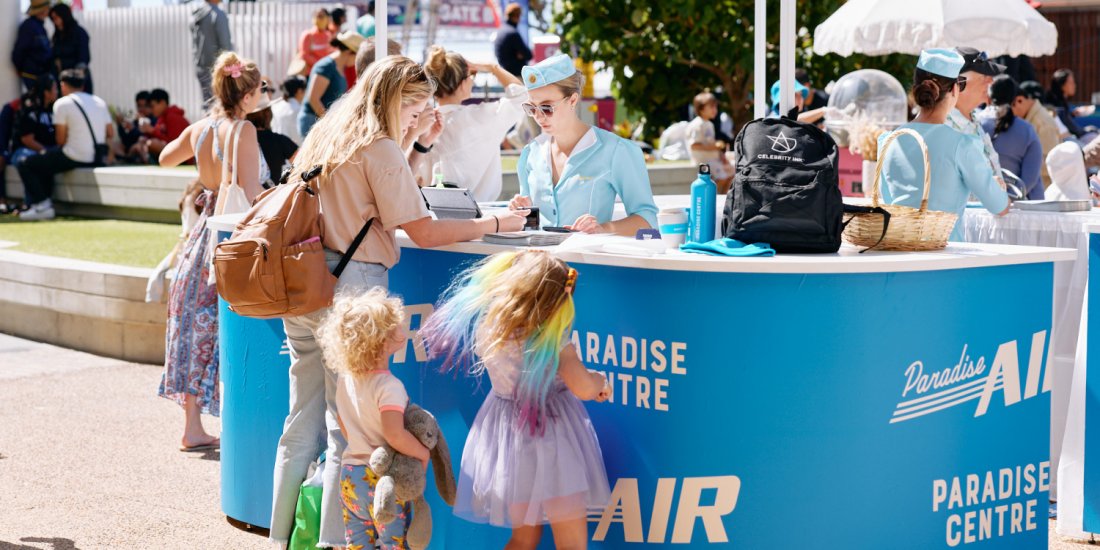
(191, 354)
(574, 172)
(958, 164)
(468, 150)
(364, 176)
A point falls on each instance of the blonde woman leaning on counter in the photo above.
(573, 172)
(364, 176)
(468, 150)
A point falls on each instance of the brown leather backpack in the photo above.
(274, 264)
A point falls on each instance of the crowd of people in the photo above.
(377, 131)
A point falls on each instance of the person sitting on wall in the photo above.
(33, 133)
(129, 130)
(170, 123)
(574, 172)
(82, 124)
(9, 113)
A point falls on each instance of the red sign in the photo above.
(470, 13)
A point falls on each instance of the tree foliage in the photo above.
(663, 52)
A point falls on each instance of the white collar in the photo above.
(586, 141)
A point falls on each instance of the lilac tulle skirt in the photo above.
(510, 478)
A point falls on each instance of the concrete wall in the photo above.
(99, 308)
(152, 194)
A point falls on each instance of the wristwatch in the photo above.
(421, 149)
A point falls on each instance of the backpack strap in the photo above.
(311, 174)
(351, 249)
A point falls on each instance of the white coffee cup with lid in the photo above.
(673, 225)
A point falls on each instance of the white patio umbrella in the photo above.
(878, 27)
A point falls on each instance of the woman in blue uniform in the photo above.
(573, 172)
(959, 166)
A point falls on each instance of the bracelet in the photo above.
(496, 219)
(421, 149)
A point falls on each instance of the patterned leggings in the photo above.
(357, 492)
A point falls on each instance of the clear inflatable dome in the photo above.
(863, 98)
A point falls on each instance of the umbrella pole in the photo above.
(760, 67)
(381, 29)
(786, 56)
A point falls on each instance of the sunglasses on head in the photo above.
(547, 109)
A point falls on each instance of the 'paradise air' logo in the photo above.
(967, 380)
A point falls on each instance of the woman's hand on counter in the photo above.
(520, 202)
(587, 224)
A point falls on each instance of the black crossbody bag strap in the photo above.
(95, 144)
(351, 249)
(853, 209)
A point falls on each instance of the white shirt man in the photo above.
(77, 136)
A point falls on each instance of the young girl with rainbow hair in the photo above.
(531, 457)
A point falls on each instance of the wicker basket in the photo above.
(908, 228)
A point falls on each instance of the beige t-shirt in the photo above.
(360, 402)
(377, 183)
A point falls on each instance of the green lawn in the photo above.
(135, 244)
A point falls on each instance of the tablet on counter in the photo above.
(450, 204)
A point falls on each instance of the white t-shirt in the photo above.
(360, 402)
(468, 150)
(79, 144)
(284, 119)
(701, 131)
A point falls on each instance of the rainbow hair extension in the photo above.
(450, 331)
(451, 334)
(540, 366)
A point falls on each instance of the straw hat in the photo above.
(351, 39)
(38, 6)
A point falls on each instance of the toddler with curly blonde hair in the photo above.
(357, 338)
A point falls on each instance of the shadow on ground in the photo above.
(40, 544)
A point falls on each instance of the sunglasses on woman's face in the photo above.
(547, 109)
(962, 83)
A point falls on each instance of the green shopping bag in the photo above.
(307, 519)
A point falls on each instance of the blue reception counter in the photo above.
(866, 400)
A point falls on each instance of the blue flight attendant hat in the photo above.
(548, 71)
(798, 87)
(941, 61)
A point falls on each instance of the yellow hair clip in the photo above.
(570, 280)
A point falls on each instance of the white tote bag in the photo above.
(231, 197)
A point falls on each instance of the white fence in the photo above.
(137, 49)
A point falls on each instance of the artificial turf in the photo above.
(137, 244)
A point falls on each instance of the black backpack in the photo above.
(785, 190)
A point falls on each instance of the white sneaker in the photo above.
(38, 213)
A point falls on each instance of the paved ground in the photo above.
(88, 460)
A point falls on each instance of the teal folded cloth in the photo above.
(728, 247)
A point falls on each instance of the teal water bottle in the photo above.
(703, 205)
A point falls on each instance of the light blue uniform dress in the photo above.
(959, 168)
(603, 166)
